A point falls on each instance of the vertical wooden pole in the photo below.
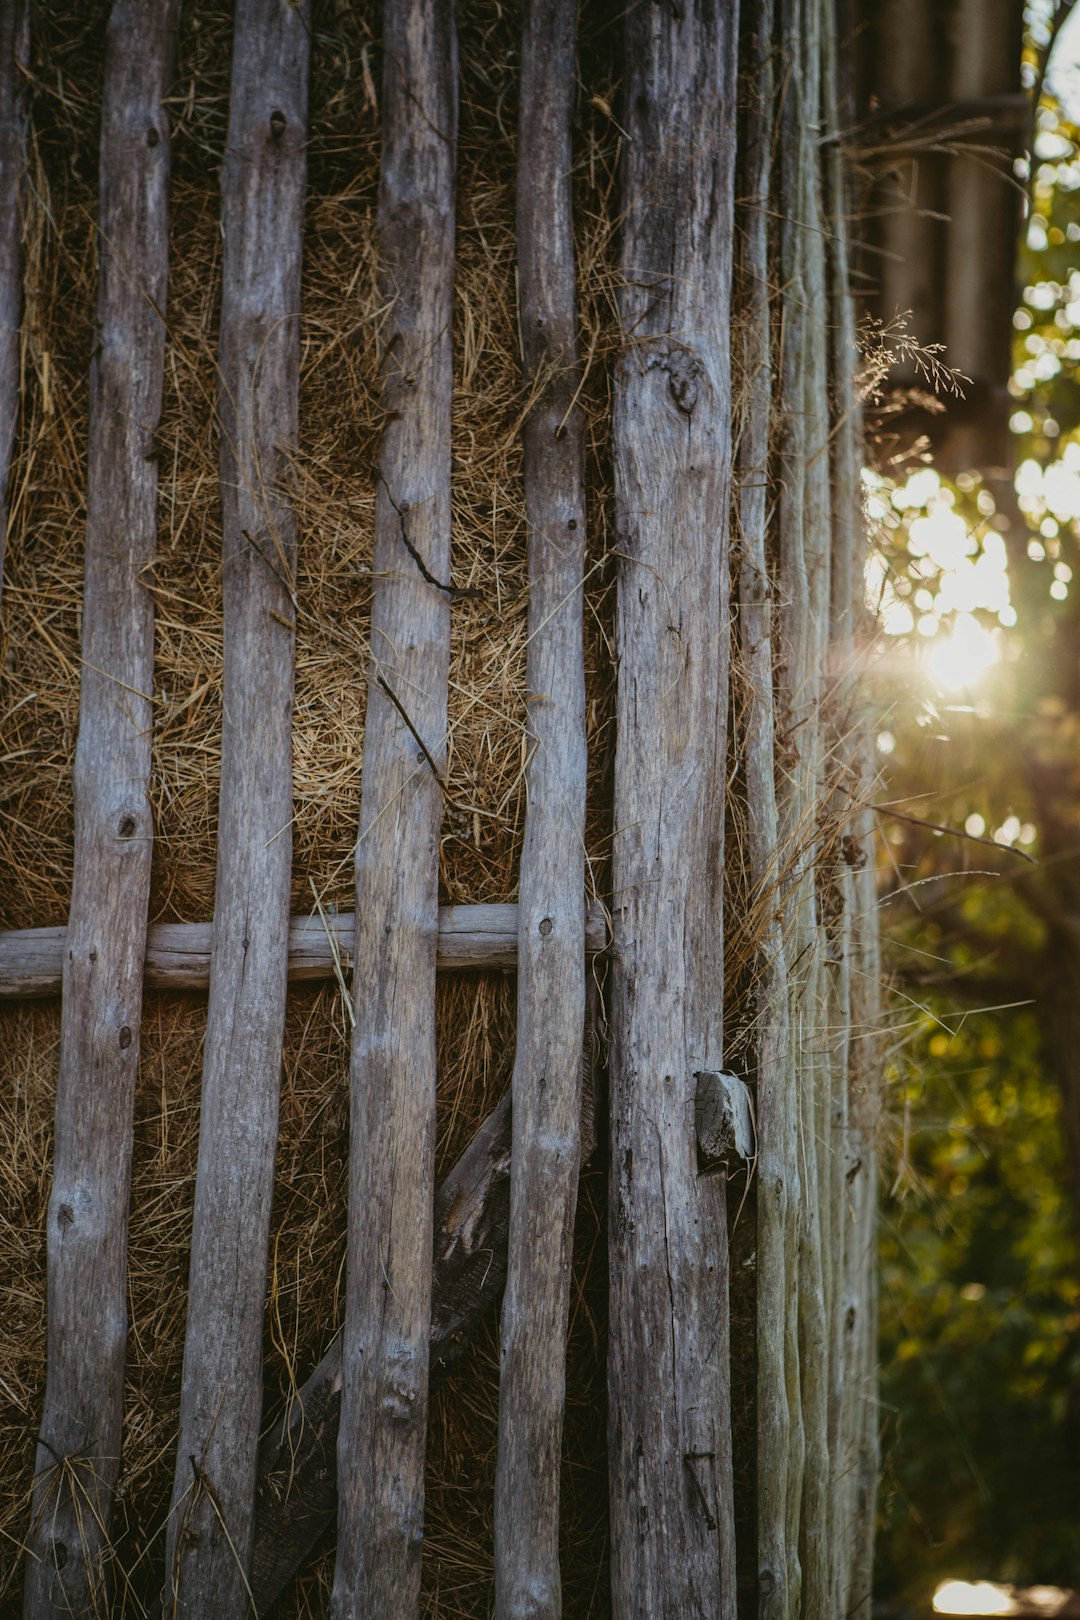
(79, 1450)
(551, 913)
(671, 1508)
(855, 1460)
(14, 56)
(210, 1524)
(777, 1169)
(381, 1440)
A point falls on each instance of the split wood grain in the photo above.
(383, 1431)
(210, 1525)
(551, 908)
(178, 954)
(14, 62)
(78, 1457)
(672, 1520)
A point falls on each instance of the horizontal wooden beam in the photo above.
(178, 954)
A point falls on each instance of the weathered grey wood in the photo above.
(14, 59)
(211, 1520)
(671, 1496)
(383, 1429)
(723, 1119)
(78, 1456)
(178, 954)
(297, 1497)
(855, 1460)
(551, 916)
(777, 1169)
(816, 1068)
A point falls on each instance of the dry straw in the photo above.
(332, 483)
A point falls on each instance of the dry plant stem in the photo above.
(861, 1178)
(392, 1133)
(777, 1167)
(671, 1494)
(210, 1524)
(14, 56)
(551, 910)
(178, 954)
(297, 1497)
(78, 1456)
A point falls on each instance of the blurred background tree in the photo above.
(975, 575)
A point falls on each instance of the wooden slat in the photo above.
(297, 1463)
(551, 919)
(672, 1521)
(178, 954)
(78, 1456)
(808, 552)
(210, 1525)
(392, 1138)
(14, 57)
(856, 1459)
(776, 1167)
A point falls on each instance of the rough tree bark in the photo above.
(78, 1456)
(392, 1133)
(551, 951)
(668, 1377)
(209, 1534)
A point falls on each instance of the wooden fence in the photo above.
(737, 839)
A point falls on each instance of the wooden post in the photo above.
(777, 1163)
(14, 59)
(78, 1455)
(297, 1469)
(210, 1525)
(551, 911)
(671, 1496)
(381, 1443)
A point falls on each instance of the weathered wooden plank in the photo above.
(671, 1507)
(805, 545)
(78, 1455)
(816, 1069)
(178, 954)
(297, 1498)
(383, 1429)
(777, 1169)
(14, 57)
(551, 950)
(856, 1458)
(211, 1520)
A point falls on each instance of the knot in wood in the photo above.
(684, 381)
(277, 124)
(684, 374)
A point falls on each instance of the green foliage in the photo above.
(980, 1309)
(980, 1280)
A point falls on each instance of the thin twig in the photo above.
(954, 832)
